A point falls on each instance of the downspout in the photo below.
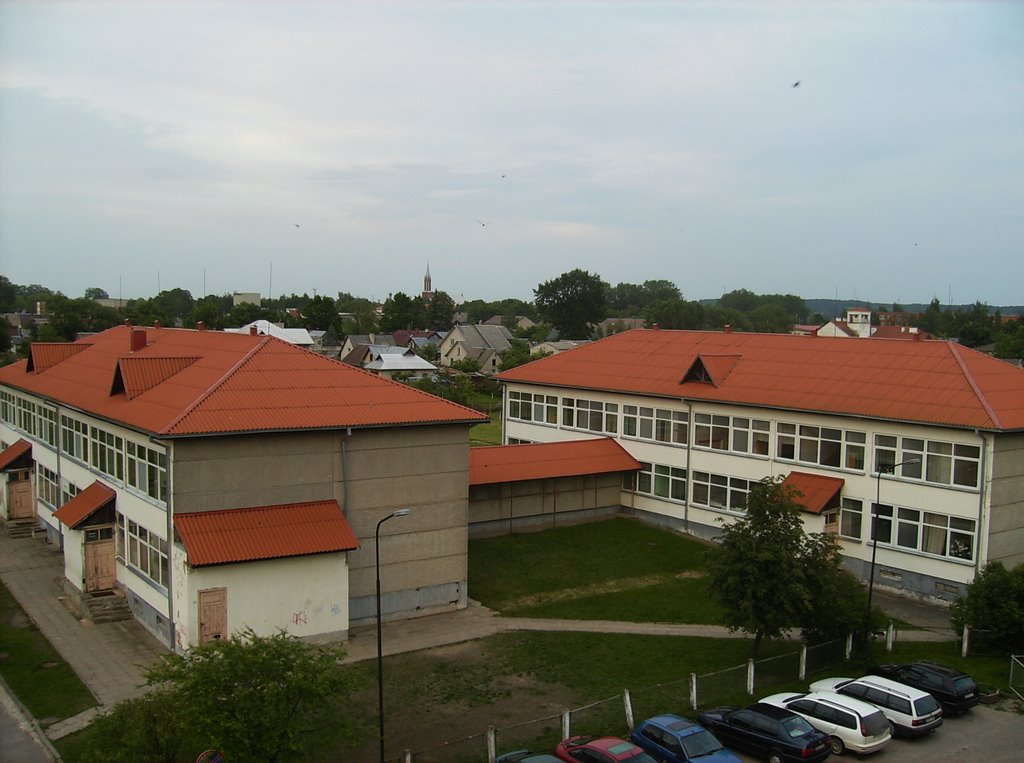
(344, 472)
(169, 513)
(689, 467)
(984, 517)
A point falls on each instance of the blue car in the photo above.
(673, 739)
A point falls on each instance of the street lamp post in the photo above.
(882, 469)
(380, 641)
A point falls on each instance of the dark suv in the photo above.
(955, 690)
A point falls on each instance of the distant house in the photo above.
(354, 340)
(858, 325)
(610, 326)
(481, 343)
(557, 346)
(246, 298)
(521, 321)
(387, 361)
(299, 336)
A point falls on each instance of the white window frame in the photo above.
(142, 551)
(939, 462)
(606, 415)
(533, 406)
(146, 470)
(723, 493)
(643, 422)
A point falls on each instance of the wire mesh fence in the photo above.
(721, 686)
(823, 656)
(1017, 675)
(471, 749)
(538, 734)
(776, 670)
(671, 697)
(604, 717)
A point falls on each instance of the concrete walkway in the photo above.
(111, 658)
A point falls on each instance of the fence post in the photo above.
(803, 662)
(750, 676)
(492, 746)
(406, 757)
(566, 733)
(964, 648)
(849, 646)
(628, 704)
(693, 691)
(890, 636)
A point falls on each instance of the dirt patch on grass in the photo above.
(611, 586)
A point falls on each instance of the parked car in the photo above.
(955, 690)
(526, 756)
(911, 712)
(589, 749)
(850, 723)
(768, 731)
(674, 739)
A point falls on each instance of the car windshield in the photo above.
(926, 705)
(701, 743)
(874, 724)
(796, 726)
(964, 684)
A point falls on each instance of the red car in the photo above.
(600, 750)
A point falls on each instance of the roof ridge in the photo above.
(220, 512)
(955, 350)
(217, 384)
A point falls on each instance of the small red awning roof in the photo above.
(816, 493)
(14, 452)
(535, 461)
(265, 532)
(85, 504)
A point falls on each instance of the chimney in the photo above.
(138, 339)
(157, 325)
(728, 328)
(814, 331)
(128, 322)
(201, 326)
(656, 326)
(252, 330)
(917, 336)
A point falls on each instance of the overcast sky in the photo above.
(290, 147)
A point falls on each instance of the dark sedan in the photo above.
(955, 690)
(768, 732)
(673, 739)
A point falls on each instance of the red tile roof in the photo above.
(43, 355)
(185, 382)
(535, 461)
(266, 532)
(935, 382)
(816, 492)
(13, 452)
(85, 504)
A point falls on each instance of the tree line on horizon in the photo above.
(569, 306)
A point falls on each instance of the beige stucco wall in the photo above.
(371, 473)
(1006, 523)
(306, 596)
(534, 504)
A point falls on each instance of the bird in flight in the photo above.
(796, 84)
(297, 225)
(482, 223)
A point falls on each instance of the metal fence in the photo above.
(616, 715)
(1017, 675)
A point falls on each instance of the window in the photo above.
(657, 424)
(750, 435)
(591, 415)
(6, 407)
(717, 491)
(881, 523)
(144, 551)
(658, 480)
(711, 431)
(107, 453)
(526, 406)
(25, 413)
(928, 532)
(48, 425)
(74, 438)
(147, 471)
(822, 446)
(942, 463)
(47, 486)
(68, 490)
(850, 518)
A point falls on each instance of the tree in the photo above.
(320, 313)
(995, 603)
(769, 574)
(675, 314)
(401, 312)
(258, 697)
(8, 295)
(95, 292)
(440, 312)
(517, 354)
(572, 302)
(150, 728)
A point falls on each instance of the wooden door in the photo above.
(213, 615)
(19, 495)
(100, 569)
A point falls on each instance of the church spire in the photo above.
(428, 292)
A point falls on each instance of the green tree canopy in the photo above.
(401, 312)
(675, 314)
(95, 292)
(995, 603)
(320, 313)
(572, 302)
(440, 312)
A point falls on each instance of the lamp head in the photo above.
(402, 513)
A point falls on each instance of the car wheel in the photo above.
(837, 746)
(775, 757)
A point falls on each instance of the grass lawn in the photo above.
(614, 570)
(486, 434)
(34, 670)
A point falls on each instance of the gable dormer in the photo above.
(710, 369)
(44, 355)
(135, 375)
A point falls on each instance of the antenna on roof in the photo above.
(270, 286)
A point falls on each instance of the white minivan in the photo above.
(850, 723)
(910, 711)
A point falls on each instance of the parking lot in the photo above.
(983, 734)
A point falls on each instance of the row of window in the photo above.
(142, 550)
(933, 461)
(713, 491)
(141, 467)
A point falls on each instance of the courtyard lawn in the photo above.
(488, 433)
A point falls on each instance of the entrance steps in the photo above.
(22, 528)
(106, 606)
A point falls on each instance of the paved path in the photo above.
(111, 658)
